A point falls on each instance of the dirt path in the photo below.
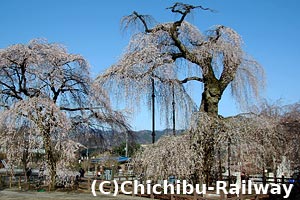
(30, 195)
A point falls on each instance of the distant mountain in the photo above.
(145, 136)
(104, 140)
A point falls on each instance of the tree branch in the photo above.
(193, 78)
(79, 109)
(177, 55)
(141, 17)
(185, 9)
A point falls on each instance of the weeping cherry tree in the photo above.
(176, 53)
(47, 96)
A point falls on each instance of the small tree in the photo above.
(243, 142)
(288, 124)
(50, 91)
(291, 125)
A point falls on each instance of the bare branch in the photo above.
(44, 89)
(191, 79)
(133, 21)
(185, 9)
(80, 108)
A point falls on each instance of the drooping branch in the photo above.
(136, 18)
(171, 50)
(51, 91)
(142, 18)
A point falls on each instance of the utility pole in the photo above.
(126, 150)
(173, 107)
(229, 159)
(153, 111)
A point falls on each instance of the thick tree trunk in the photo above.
(208, 157)
(211, 96)
(213, 89)
(25, 162)
(51, 159)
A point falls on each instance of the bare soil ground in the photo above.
(9, 194)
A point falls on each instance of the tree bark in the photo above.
(211, 97)
(51, 158)
(208, 158)
(212, 93)
(25, 161)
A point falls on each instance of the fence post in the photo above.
(10, 180)
(20, 182)
(132, 194)
(151, 192)
(282, 179)
(111, 188)
(264, 177)
(113, 172)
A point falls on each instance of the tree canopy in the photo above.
(252, 142)
(171, 55)
(175, 53)
(47, 96)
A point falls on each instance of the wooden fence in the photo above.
(19, 181)
(34, 182)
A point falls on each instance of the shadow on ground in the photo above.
(9, 194)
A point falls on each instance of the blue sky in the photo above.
(269, 28)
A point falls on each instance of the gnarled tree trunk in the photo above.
(213, 91)
(51, 157)
(211, 97)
